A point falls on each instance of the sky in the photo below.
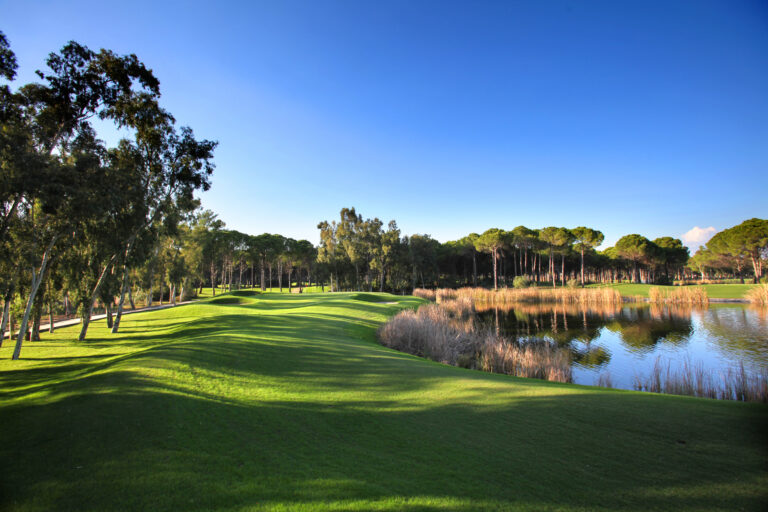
(452, 117)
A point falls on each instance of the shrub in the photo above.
(521, 282)
(572, 283)
(663, 281)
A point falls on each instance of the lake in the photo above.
(623, 342)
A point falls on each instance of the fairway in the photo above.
(287, 402)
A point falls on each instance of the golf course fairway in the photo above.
(287, 402)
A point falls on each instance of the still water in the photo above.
(624, 342)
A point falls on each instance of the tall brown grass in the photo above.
(530, 295)
(678, 295)
(536, 359)
(693, 379)
(758, 295)
(447, 333)
(424, 293)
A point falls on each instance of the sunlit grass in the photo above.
(287, 402)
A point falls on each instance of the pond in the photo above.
(623, 343)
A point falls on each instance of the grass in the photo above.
(714, 291)
(288, 403)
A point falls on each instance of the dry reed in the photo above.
(423, 293)
(678, 295)
(447, 333)
(758, 295)
(506, 296)
(533, 359)
(693, 379)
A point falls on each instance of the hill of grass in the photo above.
(286, 402)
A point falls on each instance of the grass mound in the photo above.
(245, 293)
(229, 300)
(371, 297)
(290, 404)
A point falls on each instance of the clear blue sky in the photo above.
(452, 117)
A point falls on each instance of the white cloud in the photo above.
(697, 236)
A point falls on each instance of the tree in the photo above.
(492, 241)
(586, 239)
(635, 248)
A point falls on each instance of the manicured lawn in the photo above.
(286, 402)
(715, 291)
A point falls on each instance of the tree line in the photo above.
(360, 253)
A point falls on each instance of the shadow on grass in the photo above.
(268, 411)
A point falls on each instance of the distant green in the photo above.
(715, 291)
(287, 402)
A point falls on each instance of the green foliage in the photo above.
(521, 282)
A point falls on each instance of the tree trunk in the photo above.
(495, 282)
(36, 318)
(474, 268)
(50, 316)
(37, 277)
(562, 268)
(94, 294)
(121, 302)
(6, 314)
(582, 268)
(110, 322)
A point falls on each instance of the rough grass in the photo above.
(758, 295)
(290, 404)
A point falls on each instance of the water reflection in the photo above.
(626, 339)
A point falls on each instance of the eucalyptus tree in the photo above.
(330, 253)
(81, 84)
(586, 239)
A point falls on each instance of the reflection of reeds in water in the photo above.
(678, 295)
(662, 311)
(598, 309)
(448, 333)
(694, 380)
(758, 295)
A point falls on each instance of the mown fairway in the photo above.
(286, 402)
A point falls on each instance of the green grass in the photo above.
(715, 291)
(286, 402)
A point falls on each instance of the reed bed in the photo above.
(678, 295)
(758, 295)
(423, 293)
(533, 359)
(508, 296)
(693, 379)
(447, 333)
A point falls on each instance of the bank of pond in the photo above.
(716, 350)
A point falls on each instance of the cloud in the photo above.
(697, 236)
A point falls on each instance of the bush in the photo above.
(572, 283)
(521, 282)
(663, 281)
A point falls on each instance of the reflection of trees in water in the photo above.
(639, 328)
(738, 330)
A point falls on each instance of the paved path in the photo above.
(75, 321)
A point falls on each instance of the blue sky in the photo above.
(452, 117)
